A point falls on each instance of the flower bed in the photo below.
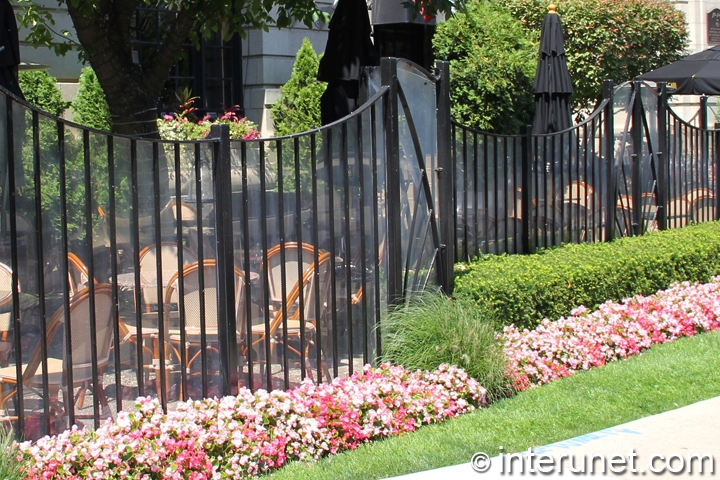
(614, 331)
(237, 437)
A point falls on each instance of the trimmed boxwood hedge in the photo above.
(524, 289)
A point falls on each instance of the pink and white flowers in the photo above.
(238, 437)
(614, 331)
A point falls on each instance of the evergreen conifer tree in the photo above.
(90, 107)
(40, 89)
(298, 108)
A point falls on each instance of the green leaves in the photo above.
(89, 107)
(524, 289)
(615, 39)
(492, 66)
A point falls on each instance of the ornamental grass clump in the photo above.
(253, 433)
(433, 330)
(614, 331)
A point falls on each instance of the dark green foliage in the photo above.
(89, 106)
(524, 289)
(40, 89)
(434, 329)
(615, 39)
(298, 108)
(492, 67)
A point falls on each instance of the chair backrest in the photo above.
(579, 192)
(312, 286)
(78, 274)
(81, 317)
(286, 256)
(148, 267)
(190, 278)
(678, 212)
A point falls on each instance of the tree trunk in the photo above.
(132, 90)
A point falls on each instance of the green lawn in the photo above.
(663, 378)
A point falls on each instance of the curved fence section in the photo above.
(135, 267)
(516, 193)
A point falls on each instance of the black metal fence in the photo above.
(133, 267)
(181, 270)
(515, 194)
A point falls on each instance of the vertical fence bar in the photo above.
(10, 132)
(446, 181)
(95, 373)
(227, 337)
(611, 185)
(42, 313)
(526, 198)
(636, 157)
(662, 182)
(716, 160)
(392, 154)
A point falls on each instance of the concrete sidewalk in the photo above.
(676, 435)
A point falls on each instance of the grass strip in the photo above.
(663, 378)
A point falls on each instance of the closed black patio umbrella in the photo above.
(348, 50)
(552, 86)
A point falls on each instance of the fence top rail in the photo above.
(598, 111)
(356, 113)
(71, 124)
(686, 124)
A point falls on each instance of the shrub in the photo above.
(433, 330)
(89, 107)
(298, 108)
(524, 289)
(40, 89)
(616, 39)
(492, 67)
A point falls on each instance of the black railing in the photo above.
(517, 193)
(183, 270)
(134, 267)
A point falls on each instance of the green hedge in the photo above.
(524, 289)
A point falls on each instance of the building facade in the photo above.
(249, 73)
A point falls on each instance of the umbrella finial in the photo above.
(552, 8)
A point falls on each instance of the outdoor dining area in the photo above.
(126, 298)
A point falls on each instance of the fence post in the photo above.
(716, 167)
(637, 137)
(446, 179)
(526, 185)
(609, 133)
(227, 338)
(660, 156)
(388, 67)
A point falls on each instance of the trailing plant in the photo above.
(89, 107)
(524, 289)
